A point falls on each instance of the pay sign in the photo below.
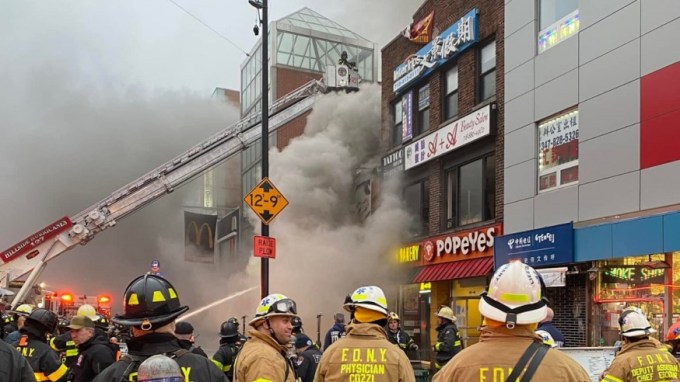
(264, 246)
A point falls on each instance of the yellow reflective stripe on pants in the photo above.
(40, 377)
(436, 346)
(457, 343)
(58, 374)
(437, 365)
(611, 378)
(226, 368)
(71, 352)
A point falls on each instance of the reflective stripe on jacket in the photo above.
(497, 353)
(364, 354)
(44, 362)
(644, 360)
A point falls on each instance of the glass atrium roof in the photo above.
(307, 18)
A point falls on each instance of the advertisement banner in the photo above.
(449, 44)
(199, 237)
(538, 248)
(456, 134)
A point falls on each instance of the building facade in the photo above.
(592, 142)
(442, 137)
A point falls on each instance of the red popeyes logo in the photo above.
(35, 240)
(460, 245)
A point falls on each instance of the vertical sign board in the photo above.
(264, 246)
(407, 116)
(538, 248)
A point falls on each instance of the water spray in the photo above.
(199, 310)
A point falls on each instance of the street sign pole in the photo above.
(264, 262)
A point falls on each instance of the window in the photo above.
(397, 128)
(559, 20)
(471, 196)
(487, 78)
(417, 198)
(558, 151)
(451, 95)
(423, 109)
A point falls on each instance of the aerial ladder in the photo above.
(33, 253)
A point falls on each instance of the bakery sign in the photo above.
(459, 246)
(449, 44)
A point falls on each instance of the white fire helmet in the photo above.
(369, 297)
(514, 296)
(275, 304)
(633, 323)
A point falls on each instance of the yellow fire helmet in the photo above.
(393, 316)
(633, 323)
(514, 296)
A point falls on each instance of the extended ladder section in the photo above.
(61, 236)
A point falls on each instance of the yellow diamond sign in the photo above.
(266, 201)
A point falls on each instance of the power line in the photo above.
(211, 28)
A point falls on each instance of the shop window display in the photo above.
(632, 281)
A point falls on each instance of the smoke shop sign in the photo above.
(460, 245)
(458, 37)
(456, 134)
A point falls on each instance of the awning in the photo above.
(455, 270)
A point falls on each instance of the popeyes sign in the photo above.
(460, 245)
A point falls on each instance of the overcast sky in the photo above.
(154, 45)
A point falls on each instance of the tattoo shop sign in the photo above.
(459, 133)
(449, 44)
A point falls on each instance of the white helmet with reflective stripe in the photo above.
(514, 296)
(24, 309)
(369, 297)
(274, 305)
(633, 323)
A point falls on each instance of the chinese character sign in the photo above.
(540, 247)
(558, 151)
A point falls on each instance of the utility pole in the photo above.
(262, 4)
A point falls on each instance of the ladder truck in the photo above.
(31, 255)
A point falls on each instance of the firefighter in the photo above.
(296, 322)
(184, 332)
(33, 346)
(14, 367)
(226, 354)
(673, 338)
(640, 358)
(336, 331)
(263, 356)
(365, 354)
(448, 337)
(308, 358)
(397, 336)
(18, 318)
(513, 306)
(64, 344)
(151, 306)
(95, 351)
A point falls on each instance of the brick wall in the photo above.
(290, 130)
(288, 79)
(569, 304)
(491, 24)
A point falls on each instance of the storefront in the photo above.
(635, 263)
(454, 273)
(550, 250)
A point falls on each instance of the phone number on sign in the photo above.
(559, 140)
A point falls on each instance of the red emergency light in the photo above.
(103, 300)
(66, 297)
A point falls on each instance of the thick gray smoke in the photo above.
(323, 251)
